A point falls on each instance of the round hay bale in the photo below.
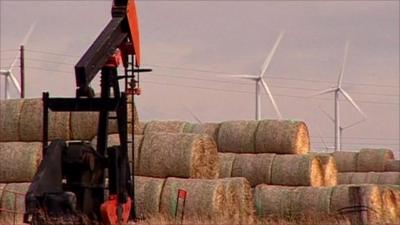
(139, 130)
(84, 125)
(148, 195)
(348, 198)
(389, 178)
(178, 155)
(256, 168)
(297, 170)
(372, 178)
(344, 178)
(19, 161)
(390, 207)
(365, 178)
(205, 198)
(225, 164)
(10, 112)
(329, 169)
(345, 161)
(237, 136)
(13, 199)
(240, 200)
(392, 166)
(282, 137)
(291, 201)
(31, 120)
(373, 160)
(165, 126)
(210, 129)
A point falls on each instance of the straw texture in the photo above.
(256, 168)
(240, 198)
(12, 197)
(206, 198)
(291, 201)
(329, 168)
(210, 129)
(282, 136)
(19, 161)
(370, 178)
(165, 126)
(392, 166)
(147, 195)
(297, 170)
(346, 161)
(345, 197)
(369, 160)
(226, 164)
(10, 111)
(179, 155)
(237, 136)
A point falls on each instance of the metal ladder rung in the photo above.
(113, 117)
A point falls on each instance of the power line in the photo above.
(51, 53)
(248, 84)
(49, 61)
(248, 92)
(49, 70)
(277, 78)
(220, 72)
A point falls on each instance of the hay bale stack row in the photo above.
(22, 120)
(367, 160)
(19, 161)
(12, 199)
(266, 136)
(297, 201)
(163, 155)
(274, 169)
(369, 178)
(223, 200)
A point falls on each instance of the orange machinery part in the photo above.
(109, 211)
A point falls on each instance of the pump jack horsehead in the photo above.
(69, 186)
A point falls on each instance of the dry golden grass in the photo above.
(301, 220)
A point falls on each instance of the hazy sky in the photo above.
(182, 38)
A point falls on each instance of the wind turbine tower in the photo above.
(260, 82)
(8, 74)
(337, 91)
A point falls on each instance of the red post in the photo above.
(22, 66)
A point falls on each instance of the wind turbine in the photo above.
(337, 91)
(260, 82)
(8, 74)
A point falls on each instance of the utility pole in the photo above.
(22, 70)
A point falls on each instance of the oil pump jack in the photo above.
(70, 185)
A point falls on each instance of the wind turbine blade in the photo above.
(241, 76)
(347, 96)
(26, 38)
(324, 92)
(193, 114)
(28, 34)
(326, 114)
(353, 124)
(346, 49)
(271, 98)
(15, 82)
(267, 61)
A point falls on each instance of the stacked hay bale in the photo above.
(226, 201)
(369, 166)
(344, 199)
(22, 120)
(12, 202)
